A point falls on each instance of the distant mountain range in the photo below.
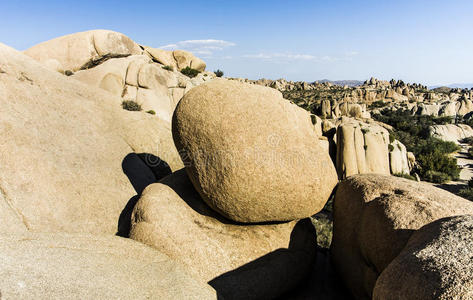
(454, 86)
(343, 82)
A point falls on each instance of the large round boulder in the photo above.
(252, 155)
(239, 261)
(65, 266)
(374, 217)
(437, 263)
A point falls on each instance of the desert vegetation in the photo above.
(433, 155)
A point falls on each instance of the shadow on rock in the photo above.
(142, 170)
(267, 277)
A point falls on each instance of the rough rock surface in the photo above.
(398, 159)
(240, 261)
(63, 146)
(361, 148)
(437, 263)
(252, 155)
(84, 49)
(64, 266)
(374, 217)
(451, 132)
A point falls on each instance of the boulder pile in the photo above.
(210, 193)
(375, 217)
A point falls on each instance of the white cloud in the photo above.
(286, 57)
(200, 47)
(281, 56)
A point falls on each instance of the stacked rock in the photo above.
(237, 215)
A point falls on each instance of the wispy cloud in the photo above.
(286, 57)
(282, 56)
(200, 47)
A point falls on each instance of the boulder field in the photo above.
(213, 181)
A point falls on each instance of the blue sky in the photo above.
(418, 41)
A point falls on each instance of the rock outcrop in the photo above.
(435, 264)
(361, 148)
(451, 132)
(63, 146)
(252, 156)
(374, 217)
(398, 158)
(115, 63)
(83, 50)
(240, 262)
(64, 266)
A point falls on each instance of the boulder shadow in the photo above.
(142, 169)
(273, 274)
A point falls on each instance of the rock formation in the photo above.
(240, 262)
(361, 148)
(451, 132)
(374, 217)
(435, 264)
(80, 266)
(253, 156)
(63, 148)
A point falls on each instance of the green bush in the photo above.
(406, 176)
(189, 72)
(438, 162)
(470, 183)
(436, 177)
(466, 193)
(131, 105)
(151, 112)
(168, 68)
(432, 154)
(219, 73)
(378, 104)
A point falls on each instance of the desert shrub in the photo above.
(438, 162)
(131, 105)
(168, 68)
(406, 176)
(470, 183)
(219, 73)
(324, 228)
(190, 72)
(151, 112)
(378, 104)
(466, 193)
(435, 177)
(68, 73)
(435, 164)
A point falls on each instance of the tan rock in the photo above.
(161, 56)
(62, 266)
(133, 70)
(84, 49)
(240, 262)
(435, 264)
(63, 147)
(156, 100)
(374, 217)
(186, 59)
(263, 165)
(152, 76)
(451, 132)
(398, 159)
(361, 148)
